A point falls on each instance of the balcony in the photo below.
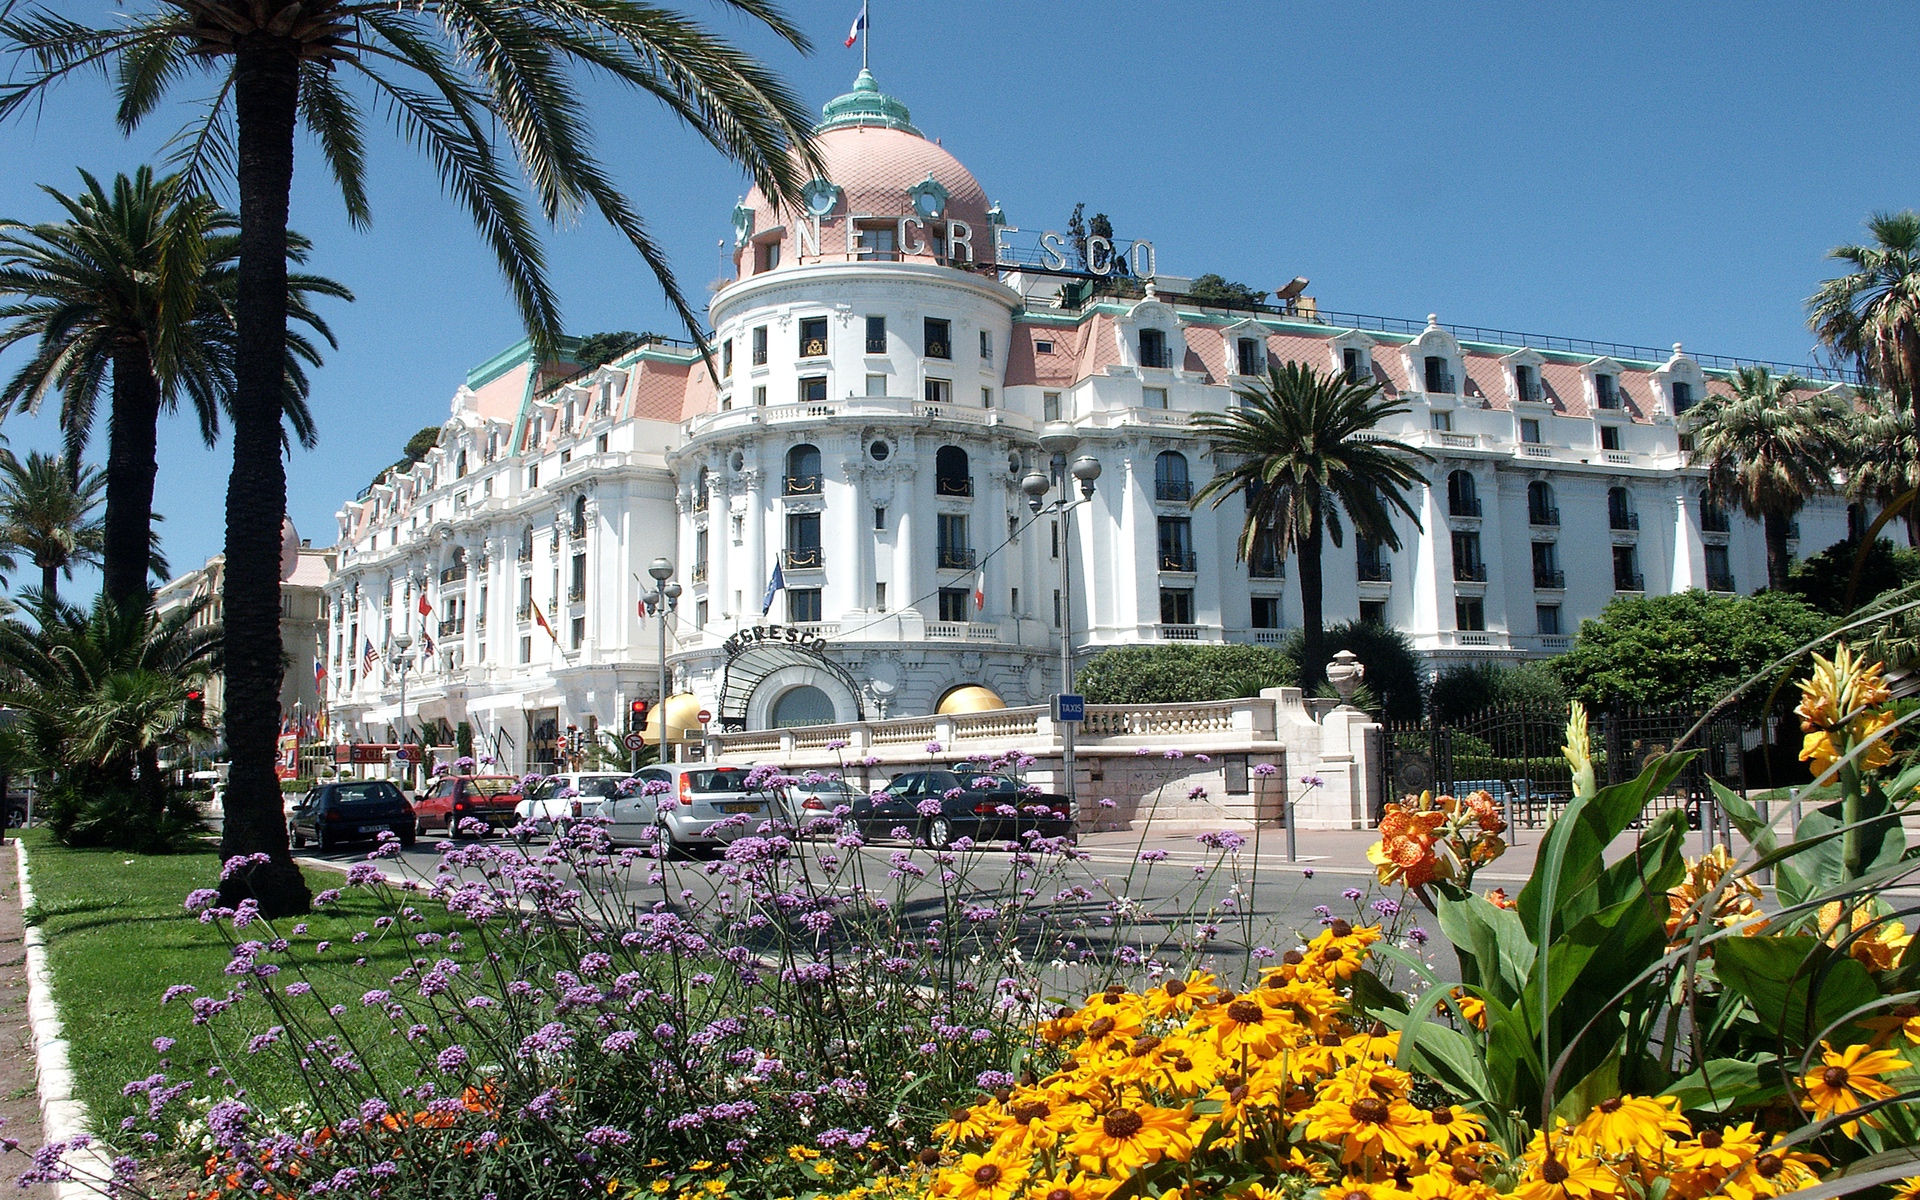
(1623, 520)
(454, 574)
(1714, 520)
(1374, 572)
(955, 558)
(699, 573)
(453, 626)
(877, 345)
(576, 595)
(524, 612)
(1469, 572)
(1554, 580)
(1544, 517)
(1442, 383)
(1183, 561)
(1625, 582)
(953, 485)
(802, 485)
(480, 624)
(1266, 568)
(1720, 581)
(524, 554)
(1531, 393)
(1173, 491)
(939, 350)
(1179, 633)
(804, 558)
(1156, 356)
(1463, 506)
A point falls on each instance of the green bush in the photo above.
(1461, 691)
(1393, 669)
(1824, 580)
(1687, 648)
(84, 811)
(1185, 674)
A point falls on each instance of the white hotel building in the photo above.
(885, 372)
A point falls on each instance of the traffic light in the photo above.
(637, 717)
(196, 706)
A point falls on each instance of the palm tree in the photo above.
(1769, 445)
(1883, 462)
(49, 515)
(137, 285)
(102, 692)
(453, 75)
(1304, 452)
(1871, 316)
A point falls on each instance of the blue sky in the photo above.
(1644, 173)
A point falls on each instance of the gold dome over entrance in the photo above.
(969, 699)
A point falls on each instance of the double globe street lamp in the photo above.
(1059, 441)
(663, 599)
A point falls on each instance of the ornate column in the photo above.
(759, 564)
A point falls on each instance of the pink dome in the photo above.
(876, 158)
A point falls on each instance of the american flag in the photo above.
(369, 658)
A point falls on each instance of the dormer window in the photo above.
(766, 256)
(1153, 349)
(1682, 392)
(879, 244)
(1248, 353)
(813, 337)
(1526, 384)
(1353, 364)
(1043, 347)
(1438, 378)
(1606, 391)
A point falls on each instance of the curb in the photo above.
(61, 1116)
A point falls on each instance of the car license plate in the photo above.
(371, 828)
(739, 808)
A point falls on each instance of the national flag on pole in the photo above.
(426, 610)
(426, 642)
(776, 583)
(859, 26)
(320, 673)
(980, 590)
(540, 619)
(369, 658)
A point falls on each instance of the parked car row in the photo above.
(710, 805)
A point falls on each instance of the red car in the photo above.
(455, 798)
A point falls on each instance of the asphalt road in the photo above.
(1172, 899)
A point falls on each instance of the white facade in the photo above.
(880, 386)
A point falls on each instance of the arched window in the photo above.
(803, 470)
(1620, 514)
(579, 517)
(1713, 518)
(951, 472)
(460, 471)
(1462, 499)
(1541, 509)
(800, 706)
(1170, 478)
(700, 491)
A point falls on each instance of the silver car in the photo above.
(568, 796)
(685, 801)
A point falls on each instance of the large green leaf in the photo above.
(1820, 862)
(1574, 854)
(1789, 884)
(1798, 986)
(1724, 1084)
(1496, 955)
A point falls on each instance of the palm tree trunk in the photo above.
(50, 583)
(131, 466)
(266, 82)
(1779, 562)
(1312, 610)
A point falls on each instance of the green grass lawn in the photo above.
(118, 936)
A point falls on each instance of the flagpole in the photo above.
(866, 34)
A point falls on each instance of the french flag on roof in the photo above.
(859, 26)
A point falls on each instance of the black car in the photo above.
(334, 814)
(984, 808)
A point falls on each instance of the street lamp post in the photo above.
(1060, 440)
(664, 598)
(402, 660)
